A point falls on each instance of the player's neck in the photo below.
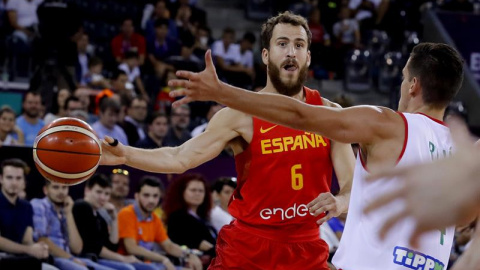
(433, 112)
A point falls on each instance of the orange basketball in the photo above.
(67, 151)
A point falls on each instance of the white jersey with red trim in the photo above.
(360, 247)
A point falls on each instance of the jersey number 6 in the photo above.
(297, 177)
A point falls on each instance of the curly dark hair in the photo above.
(174, 200)
(286, 18)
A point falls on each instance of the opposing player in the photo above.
(416, 134)
(283, 174)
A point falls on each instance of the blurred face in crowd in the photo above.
(7, 122)
(119, 85)
(97, 196)
(138, 110)
(194, 194)
(109, 118)
(63, 94)
(120, 185)
(96, 69)
(148, 198)
(228, 38)
(82, 43)
(161, 32)
(127, 28)
(180, 117)
(288, 58)
(32, 105)
(83, 95)
(12, 180)
(225, 195)
(56, 193)
(161, 10)
(159, 127)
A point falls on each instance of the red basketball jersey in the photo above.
(279, 173)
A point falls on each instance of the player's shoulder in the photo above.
(328, 103)
(231, 117)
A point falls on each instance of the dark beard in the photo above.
(290, 89)
(143, 208)
(32, 115)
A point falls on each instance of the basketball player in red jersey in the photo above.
(284, 174)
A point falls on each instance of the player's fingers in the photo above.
(178, 93)
(321, 210)
(178, 83)
(388, 225)
(185, 74)
(415, 237)
(182, 101)
(383, 200)
(208, 60)
(325, 219)
(319, 199)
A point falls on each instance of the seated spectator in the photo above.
(94, 230)
(163, 101)
(203, 41)
(120, 84)
(94, 77)
(246, 51)
(185, 27)
(10, 134)
(54, 225)
(134, 122)
(186, 60)
(57, 107)
(84, 95)
(131, 68)
(83, 64)
(347, 34)
(30, 122)
(178, 132)
(157, 130)
(107, 122)
(140, 230)
(128, 40)
(153, 13)
(16, 221)
(22, 16)
(198, 16)
(120, 179)
(222, 192)
(161, 47)
(213, 109)
(228, 60)
(187, 208)
(320, 39)
(368, 13)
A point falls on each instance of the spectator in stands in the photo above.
(120, 179)
(369, 13)
(58, 108)
(185, 27)
(16, 221)
(10, 134)
(22, 16)
(178, 132)
(161, 47)
(134, 122)
(203, 41)
(222, 192)
(458, 5)
(128, 40)
(197, 17)
(120, 85)
(30, 122)
(130, 65)
(214, 108)
(347, 34)
(83, 94)
(157, 130)
(187, 206)
(160, 11)
(320, 39)
(82, 66)
(94, 77)
(107, 123)
(228, 60)
(93, 228)
(139, 229)
(54, 225)
(186, 60)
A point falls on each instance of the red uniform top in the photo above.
(120, 45)
(279, 173)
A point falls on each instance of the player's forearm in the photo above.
(161, 160)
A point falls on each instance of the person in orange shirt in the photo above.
(139, 230)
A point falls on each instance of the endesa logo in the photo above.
(415, 260)
(291, 212)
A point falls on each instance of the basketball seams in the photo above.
(67, 128)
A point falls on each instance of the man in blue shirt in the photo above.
(30, 122)
(107, 123)
(16, 220)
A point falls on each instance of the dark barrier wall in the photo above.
(223, 165)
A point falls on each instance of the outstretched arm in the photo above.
(192, 153)
(362, 124)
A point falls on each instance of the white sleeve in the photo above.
(12, 5)
(216, 49)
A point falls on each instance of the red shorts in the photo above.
(239, 248)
